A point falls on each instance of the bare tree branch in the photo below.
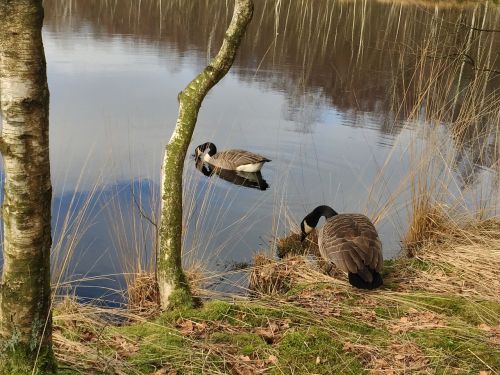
(141, 211)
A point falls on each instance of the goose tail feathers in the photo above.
(359, 280)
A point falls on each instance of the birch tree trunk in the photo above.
(25, 317)
(172, 283)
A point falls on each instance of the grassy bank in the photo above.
(437, 313)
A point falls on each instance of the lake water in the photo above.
(332, 91)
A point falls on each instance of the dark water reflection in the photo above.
(329, 90)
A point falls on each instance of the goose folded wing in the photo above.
(241, 157)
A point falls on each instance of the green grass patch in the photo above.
(461, 351)
(156, 344)
(470, 311)
(243, 314)
(245, 343)
(313, 350)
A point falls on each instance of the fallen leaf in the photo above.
(348, 346)
(88, 336)
(272, 359)
(186, 326)
(125, 348)
(484, 327)
(266, 334)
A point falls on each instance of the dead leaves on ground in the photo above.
(322, 302)
(416, 320)
(269, 332)
(244, 365)
(398, 358)
(238, 364)
(493, 333)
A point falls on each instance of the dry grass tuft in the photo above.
(196, 277)
(466, 263)
(292, 246)
(429, 223)
(269, 276)
(144, 295)
(398, 358)
(79, 332)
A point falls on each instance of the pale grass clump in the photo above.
(143, 294)
(465, 263)
(269, 276)
(291, 245)
(428, 223)
(80, 329)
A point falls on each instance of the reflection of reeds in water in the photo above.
(435, 62)
(68, 231)
(133, 232)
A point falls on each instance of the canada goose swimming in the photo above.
(351, 242)
(233, 160)
(246, 179)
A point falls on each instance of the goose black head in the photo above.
(311, 220)
(212, 150)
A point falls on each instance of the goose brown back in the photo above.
(351, 242)
(232, 159)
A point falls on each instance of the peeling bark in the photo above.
(173, 286)
(25, 318)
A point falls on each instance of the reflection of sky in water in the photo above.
(114, 106)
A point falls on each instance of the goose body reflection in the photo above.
(247, 179)
(351, 242)
(231, 160)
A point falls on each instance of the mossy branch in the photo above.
(171, 279)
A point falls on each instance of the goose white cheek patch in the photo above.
(307, 228)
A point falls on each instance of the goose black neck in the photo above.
(325, 211)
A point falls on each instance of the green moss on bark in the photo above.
(173, 285)
(26, 323)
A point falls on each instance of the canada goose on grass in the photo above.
(233, 160)
(246, 179)
(351, 242)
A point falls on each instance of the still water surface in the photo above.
(323, 88)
